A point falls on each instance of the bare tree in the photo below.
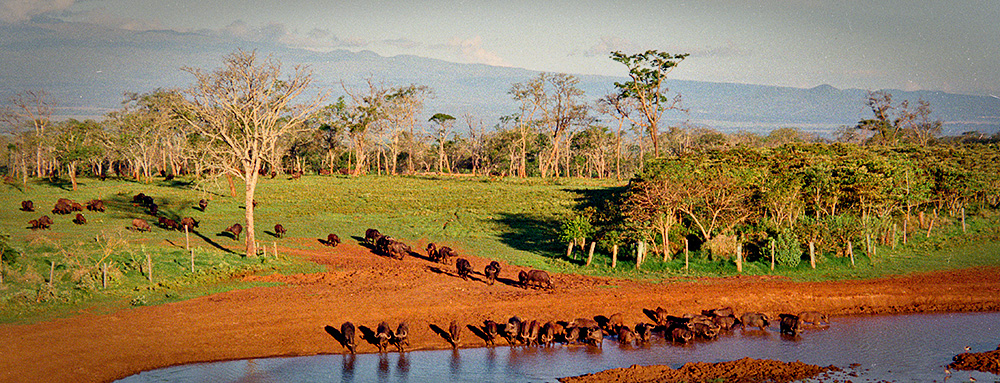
(364, 112)
(246, 107)
(34, 108)
(619, 108)
(444, 123)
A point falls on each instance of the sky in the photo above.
(951, 46)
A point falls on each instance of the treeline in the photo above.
(780, 202)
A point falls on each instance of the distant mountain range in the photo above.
(87, 73)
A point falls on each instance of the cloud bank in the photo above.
(17, 11)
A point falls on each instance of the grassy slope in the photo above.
(512, 220)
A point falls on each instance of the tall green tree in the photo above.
(648, 72)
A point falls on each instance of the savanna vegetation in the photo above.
(562, 184)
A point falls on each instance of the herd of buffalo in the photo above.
(522, 332)
(66, 206)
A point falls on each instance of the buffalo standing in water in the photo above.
(790, 324)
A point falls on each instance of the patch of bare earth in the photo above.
(744, 370)
(364, 288)
(988, 361)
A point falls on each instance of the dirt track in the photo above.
(365, 289)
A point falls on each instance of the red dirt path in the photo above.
(365, 289)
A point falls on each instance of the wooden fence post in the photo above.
(590, 253)
(687, 255)
(739, 258)
(812, 254)
(772, 255)
(614, 256)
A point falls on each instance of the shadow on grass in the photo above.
(533, 234)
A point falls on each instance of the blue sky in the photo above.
(895, 44)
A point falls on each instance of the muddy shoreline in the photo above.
(365, 289)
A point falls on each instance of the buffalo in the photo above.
(595, 337)
(440, 254)
(789, 324)
(615, 322)
(42, 222)
(140, 224)
(332, 240)
(154, 209)
(705, 331)
(382, 336)
(754, 320)
(168, 223)
(188, 223)
(490, 330)
(725, 323)
(27, 206)
(372, 236)
(63, 206)
(681, 335)
(644, 332)
(347, 331)
(454, 334)
(625, 335)
(95, 205)
(511, 330)
(491, 272)
(813, 317)
(464, 268)
(398, 250)
(547, 334)
(401, 337)
(80, 219)
(534, 276)
(529, 332)
(723, 312)
(279, 231)
(235, 230)
(572, 335)
(202, 204)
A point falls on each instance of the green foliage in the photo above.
(575, 229)
(788, 250)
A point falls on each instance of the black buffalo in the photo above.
(534, 276)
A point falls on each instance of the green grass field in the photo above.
(513, 220)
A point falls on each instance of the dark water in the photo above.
(902, 348)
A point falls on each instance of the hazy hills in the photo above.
(87, 68)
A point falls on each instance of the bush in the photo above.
(788, 250)
(8, 254)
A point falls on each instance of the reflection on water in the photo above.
(904, 348)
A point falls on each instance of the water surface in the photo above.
(901, 348)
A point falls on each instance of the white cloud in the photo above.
(471, 50)
(16, 11)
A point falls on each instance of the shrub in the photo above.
(788, 250)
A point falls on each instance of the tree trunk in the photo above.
(569, 250)
(71, 168)
(640, 254)
(251, 187)
(232, 185)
